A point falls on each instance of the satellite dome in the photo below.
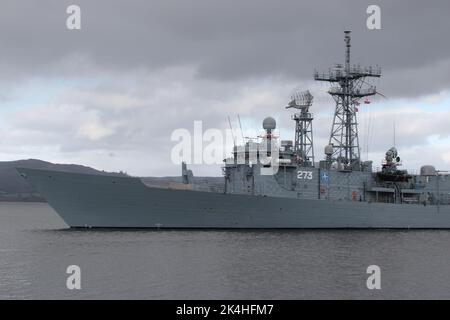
(269, 123)
(329, 149)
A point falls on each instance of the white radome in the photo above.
(269, 123)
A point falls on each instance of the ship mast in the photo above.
(348, 86)
(303, 148)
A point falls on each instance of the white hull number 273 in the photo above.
(304, 175)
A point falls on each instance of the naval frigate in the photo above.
(340, 191)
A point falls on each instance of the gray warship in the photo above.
(340, 191)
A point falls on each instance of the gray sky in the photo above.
(109, 95)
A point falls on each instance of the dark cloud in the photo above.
(140, 69)
(229, 40)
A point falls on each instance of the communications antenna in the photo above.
(232, 133)
(240, 127)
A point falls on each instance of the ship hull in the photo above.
(84, 200)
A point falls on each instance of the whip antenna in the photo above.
(232, 134)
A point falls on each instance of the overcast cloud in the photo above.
(110, 94)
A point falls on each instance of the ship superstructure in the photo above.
(341, 175)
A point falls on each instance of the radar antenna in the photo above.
(303, 147)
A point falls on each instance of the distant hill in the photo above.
(14, 188)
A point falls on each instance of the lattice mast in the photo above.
(303, 147)
(348, 86)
